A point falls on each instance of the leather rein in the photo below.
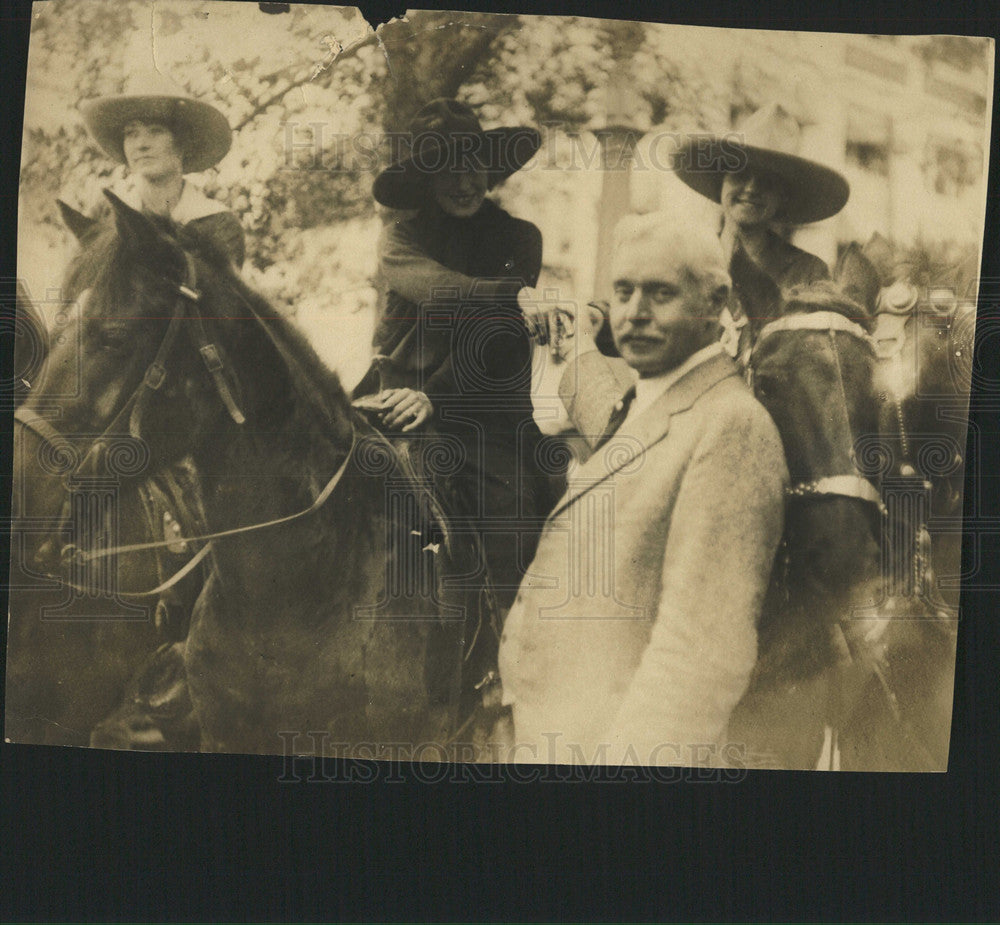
(185, 307)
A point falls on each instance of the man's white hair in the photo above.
(664, 240)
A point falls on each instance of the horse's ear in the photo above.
(134, 228)
(857, 277)
(79, 224)
(880, 251)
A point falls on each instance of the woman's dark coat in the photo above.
(452, 327)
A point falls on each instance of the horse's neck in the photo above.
(308, 569)
(251, 474)
(827, 405)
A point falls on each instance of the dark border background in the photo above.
(91, 835)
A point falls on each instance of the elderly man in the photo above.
(634, 636)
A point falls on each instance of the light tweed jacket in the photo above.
(634, 632)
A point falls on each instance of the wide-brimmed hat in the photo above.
(767, 141)
(446, 135)
(202, 131)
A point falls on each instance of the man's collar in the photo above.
(648, 390)
(648, 428)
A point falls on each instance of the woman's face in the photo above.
(750, 198)
(460, 192)
(151, 150)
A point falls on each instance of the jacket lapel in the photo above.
(647, 429)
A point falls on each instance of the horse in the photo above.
(925, 314)
(80, 649)
(329, 606)
(842, 675)
(809, 359)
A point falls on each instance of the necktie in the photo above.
(617, 417)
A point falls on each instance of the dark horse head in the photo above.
(812, 369)
(300, 624)
(816, 370)
(922, 300)
(98, 451)
(73, 642)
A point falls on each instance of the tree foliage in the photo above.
(314, 96)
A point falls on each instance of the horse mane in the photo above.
(101, 260)
(825, 296)
(311, 379)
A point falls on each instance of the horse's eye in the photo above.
(764, 384)
(113, 339)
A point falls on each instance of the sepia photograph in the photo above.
(492, 389)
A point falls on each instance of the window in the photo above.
(951, 166)
(868, 141)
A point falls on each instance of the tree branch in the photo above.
(311, 74)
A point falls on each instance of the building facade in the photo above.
(909, 130)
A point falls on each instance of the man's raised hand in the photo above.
(557, 323)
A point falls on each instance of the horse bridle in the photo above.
(895, 310)
(852, 485)
(186, 304)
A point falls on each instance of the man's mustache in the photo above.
(657, 332)
(639, 336)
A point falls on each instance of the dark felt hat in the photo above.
(446, 135)
(767, 141)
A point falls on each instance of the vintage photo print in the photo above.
(491, 388)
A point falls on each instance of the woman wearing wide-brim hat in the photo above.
(759, 179)
(160, 133)
(459, 352)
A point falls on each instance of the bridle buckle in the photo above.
(213, 361)
(155, 374)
